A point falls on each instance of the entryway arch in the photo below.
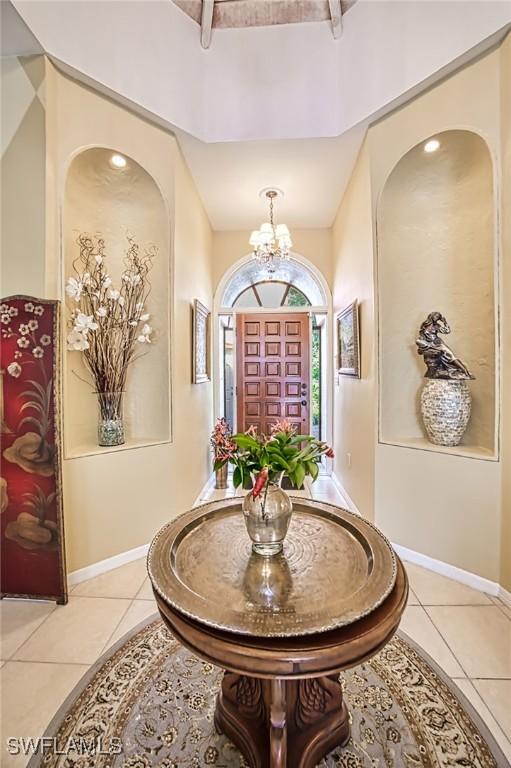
(295, 286)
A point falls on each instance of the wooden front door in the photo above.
(272, 370)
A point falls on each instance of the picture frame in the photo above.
(348, 341)
(201, 353)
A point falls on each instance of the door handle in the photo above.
(304, 402)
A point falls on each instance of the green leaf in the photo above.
(245, 441)
(299, 475)
(281, 462)
(313, 469)
(219, 463)
(236, 477)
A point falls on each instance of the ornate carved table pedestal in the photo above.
(282, 627)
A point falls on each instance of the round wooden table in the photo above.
(281, 702)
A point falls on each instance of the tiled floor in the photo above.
(46, 648)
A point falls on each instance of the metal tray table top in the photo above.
(336, 568)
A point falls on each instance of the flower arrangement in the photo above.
(221, 442)
(108, 323)
(268, 458)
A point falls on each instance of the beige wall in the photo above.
(354, 400)
(312, 244)
(444, 506)
(505, 90)
(116, 501)
(23, 175)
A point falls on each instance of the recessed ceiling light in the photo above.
(118, 161)
(431, 145)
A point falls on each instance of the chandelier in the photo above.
(271, 243)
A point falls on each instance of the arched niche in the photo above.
(436, 251)
(100, 198)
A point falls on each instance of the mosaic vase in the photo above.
(267, 519)
(110, 421)
(445, 408)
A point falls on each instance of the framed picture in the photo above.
(348, 343)
(201, 343)
(32, 527)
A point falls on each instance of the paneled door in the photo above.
(272, 370)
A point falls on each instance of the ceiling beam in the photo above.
(336, 17)
(206, 22)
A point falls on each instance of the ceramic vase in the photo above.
(445, 406)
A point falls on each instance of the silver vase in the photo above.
(445, 406)
(267, 519)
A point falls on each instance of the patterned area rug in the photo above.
(149, 703)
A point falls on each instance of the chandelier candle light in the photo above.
(271, 243)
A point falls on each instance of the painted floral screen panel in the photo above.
(32, 532)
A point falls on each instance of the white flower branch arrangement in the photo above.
(108, 323)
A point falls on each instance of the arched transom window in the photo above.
(292, 285)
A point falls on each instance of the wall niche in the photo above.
(436, 251)
(101, 198)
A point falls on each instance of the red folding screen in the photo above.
(32, 531)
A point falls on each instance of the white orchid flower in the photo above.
(98, 259)
(84, 323)
(14, 369)
(77, 341)
(102, 312)
(144, 335)
(144, 318)
(113, 294)
(107, 282)
(74, 288)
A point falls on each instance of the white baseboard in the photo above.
(451, 571)
(438, 566)
(82, 574)
(344, 493)
(210, 483)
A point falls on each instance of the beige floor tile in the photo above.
(76, 632)
(330, 495)
(480, 707)
(217, 494)
(137, 612)
(31, 694)
(506, 609)
(120, 582)
(417, 625)
(18, 619)
(433, 589)
(145, 592)
(412, 598)
(304, 494)
(496, 694)
(479, 636)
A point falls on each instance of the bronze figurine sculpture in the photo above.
(440, 360)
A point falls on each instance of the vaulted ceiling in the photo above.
(284, 103)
